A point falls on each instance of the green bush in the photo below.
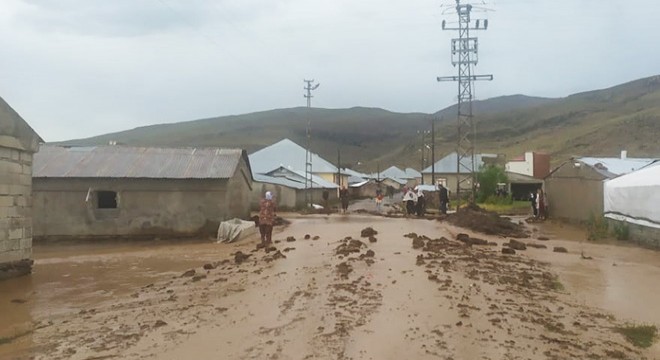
(597, 227)
(499, 200)
(621, 231)
(488, 178)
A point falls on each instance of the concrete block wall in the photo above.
(15, 209)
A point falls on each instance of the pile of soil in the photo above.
(478, 219)
(367, 232)
(349, 246)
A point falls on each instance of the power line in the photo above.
(464, 53)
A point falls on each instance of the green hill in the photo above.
(600, 122)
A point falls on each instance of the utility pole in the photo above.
(464, 53)
(432, 151)
(338, 167)
(308, 151)
(422, 151)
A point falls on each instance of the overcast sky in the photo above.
(78, 68)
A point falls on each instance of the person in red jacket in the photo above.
(267, 210)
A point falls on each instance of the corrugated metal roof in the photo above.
(616, 166)
(412, 173)
(293, 179)
(135, 162)
(516, 178)
(288, 154)
(448, 164)
(352, 172)
(393, 172)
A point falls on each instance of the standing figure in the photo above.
(343, 196)
(444, 198)
(540, 204)
(266, 217)
(326, 196)
(379, 201)
(532, 200)
(409, 199)
(421, 203)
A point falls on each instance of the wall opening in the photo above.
(107, 199)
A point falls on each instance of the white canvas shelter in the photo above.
(634, 197)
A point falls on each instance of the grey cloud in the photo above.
(115, 18)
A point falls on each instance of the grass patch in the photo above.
(557, 285)
(639, 335)
(522, 207)
(9, 339)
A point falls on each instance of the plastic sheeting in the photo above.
(235, 229)
(634, 197)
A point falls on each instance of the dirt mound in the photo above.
(239, 257)
(469, 241)
(367, 232)
(344, 269)
(516, 245)
(477, 219)
(349, 246)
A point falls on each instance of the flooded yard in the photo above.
(334, 298)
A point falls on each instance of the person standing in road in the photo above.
(421, 203)
(532, 199)
(343, 196)
(540, 204)
(409, 200)
(267, 210)
(444, 198)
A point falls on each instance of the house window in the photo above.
(107, 199)
(441, 181)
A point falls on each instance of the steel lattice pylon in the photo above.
(464, 53)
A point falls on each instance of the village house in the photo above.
(281, 169)
(288, 188)
(533, 164)
(120, 191)
(447, 172)
(18, 142)
(574, 190)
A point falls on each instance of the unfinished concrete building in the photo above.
(17, 144)
(132, 192)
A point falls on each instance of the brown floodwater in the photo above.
(70, 277)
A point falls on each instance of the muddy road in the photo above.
(410, 290)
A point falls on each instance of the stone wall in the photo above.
(643, 235)
(15, 212)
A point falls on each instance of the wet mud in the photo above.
(423, 290)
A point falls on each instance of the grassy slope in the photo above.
(600, 122)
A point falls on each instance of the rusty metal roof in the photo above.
(135, 162)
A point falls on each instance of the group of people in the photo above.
(414, 201)
(539, 204)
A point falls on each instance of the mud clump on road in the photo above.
(469, 241)
(349, 246)
(516, 245)
(240, 257)
(344, 269)
(478, 219)
(368, 232)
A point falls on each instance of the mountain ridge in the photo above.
(597, 122)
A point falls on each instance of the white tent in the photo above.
(634, 197)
